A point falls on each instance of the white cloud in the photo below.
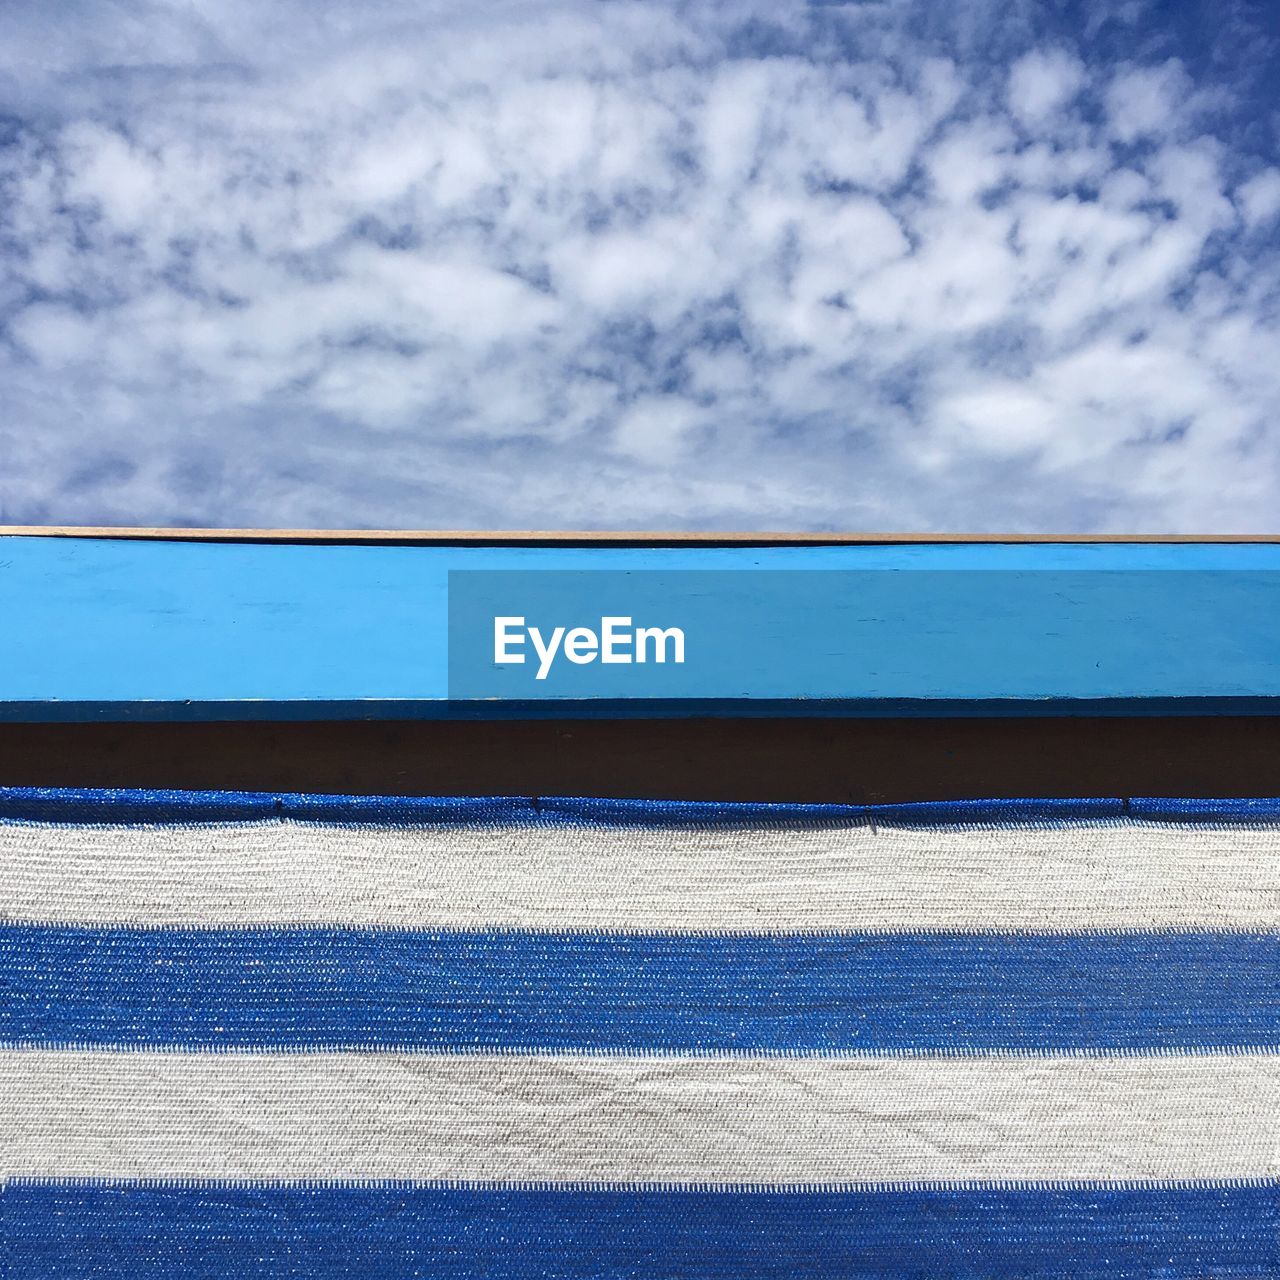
(1042, 82)
(655, 429)
(635, 263)
(1260, 197)
(1142, 101)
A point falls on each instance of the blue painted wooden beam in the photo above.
(104, 629)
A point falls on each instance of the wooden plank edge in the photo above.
(418, 710)
(796, 761)
(603, 537)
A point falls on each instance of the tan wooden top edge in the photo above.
(445, 537)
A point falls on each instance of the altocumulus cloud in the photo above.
(624, 264)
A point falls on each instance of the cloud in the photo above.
(1041, 83)
(1141, 101)
(1259, 197)
(636, 264)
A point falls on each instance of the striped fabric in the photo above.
(254, 1035)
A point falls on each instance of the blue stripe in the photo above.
(94, 1232)
(924, 813)
(600, 992)
(136, 805)
(126, 805)
(1207, 811)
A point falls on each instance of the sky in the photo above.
(864, 266)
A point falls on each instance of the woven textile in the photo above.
(253, 1035)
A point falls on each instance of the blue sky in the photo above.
(866, 266)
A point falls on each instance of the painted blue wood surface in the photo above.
(102, 629)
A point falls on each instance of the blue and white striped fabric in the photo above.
(253, 1035)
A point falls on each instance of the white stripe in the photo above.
(147, 1115)
(1091, 875)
